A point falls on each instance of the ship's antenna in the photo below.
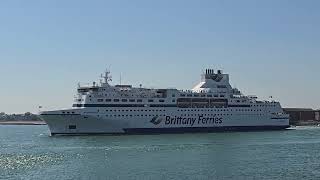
(107, 76)
(101, 79)
(271, 98)
(40, 108)
(120, 78)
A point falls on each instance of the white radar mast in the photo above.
(107, 77)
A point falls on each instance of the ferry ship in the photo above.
(213, 105)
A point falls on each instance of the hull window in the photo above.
(72, 127)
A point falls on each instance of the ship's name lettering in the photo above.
(192, 120)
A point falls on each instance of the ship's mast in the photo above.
(106, 77)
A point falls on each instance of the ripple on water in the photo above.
(138, 148)
(160, 147)
(10, 163)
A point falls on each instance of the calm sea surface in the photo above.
(27, 152)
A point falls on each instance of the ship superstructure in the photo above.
(211, 106)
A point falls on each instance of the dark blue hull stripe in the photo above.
(182, 130)
(201, 129)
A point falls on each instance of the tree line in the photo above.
(19, 117)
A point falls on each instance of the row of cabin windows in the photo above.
(131, 100)
(183, 115)
(190, 95)
(151, 100)
(243, 110)
(216, 114)
(242, 101)
(184, 105)
(155, 110)
(136, 110)
(67, 112)
(201, 95)
(133, 115)
(266, 105)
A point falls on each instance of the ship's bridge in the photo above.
(213, 82)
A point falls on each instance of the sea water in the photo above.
(28, 152)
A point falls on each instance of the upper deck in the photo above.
(214, 90)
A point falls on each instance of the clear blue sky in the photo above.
(269, 47)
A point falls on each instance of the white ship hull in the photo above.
(150, 123)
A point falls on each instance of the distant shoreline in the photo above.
(22, 123)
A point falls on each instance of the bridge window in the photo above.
(221, 86)
(108, 100)
(116, 100)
